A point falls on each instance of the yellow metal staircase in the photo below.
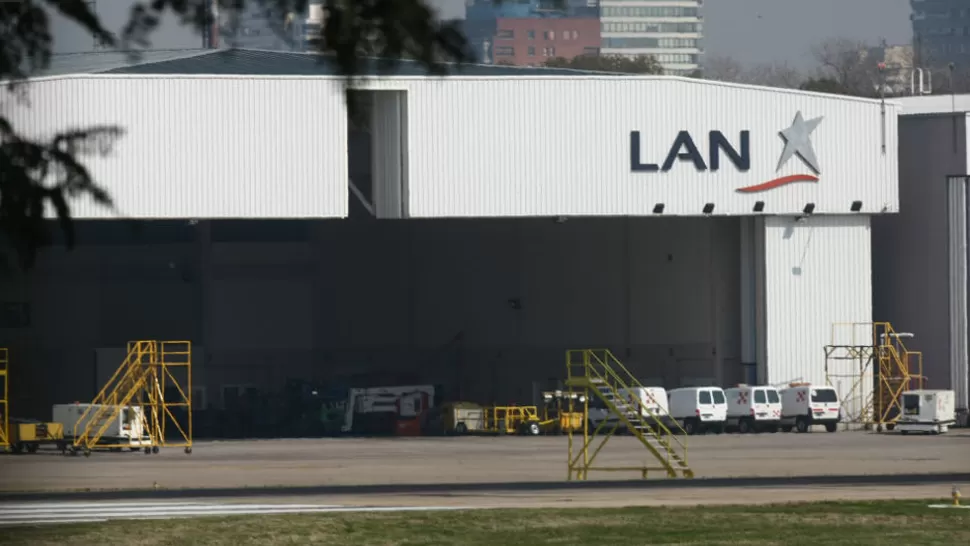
(4, 402)
(597, 373)
(136, 393)
(873, 359)
(121, 393)
(899, 370)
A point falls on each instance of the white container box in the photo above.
(126, 425)
(931, 411)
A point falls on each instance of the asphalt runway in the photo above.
(502, 471)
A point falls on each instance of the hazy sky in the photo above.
(751, 31)
(757, 31)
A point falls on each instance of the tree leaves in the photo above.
(38, 175)
(621, 64)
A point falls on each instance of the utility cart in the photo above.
(27, 436)
(929, 411)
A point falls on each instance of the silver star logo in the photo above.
(797, 141)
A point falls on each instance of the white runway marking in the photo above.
(46, 513)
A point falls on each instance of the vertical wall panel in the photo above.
(957, 237)
(388, 128)
(817, 273)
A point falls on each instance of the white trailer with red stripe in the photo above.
(753, 409)
(804, 405)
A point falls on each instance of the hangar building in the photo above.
(707, 233)
(920, 254)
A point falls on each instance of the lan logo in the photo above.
(797, 142)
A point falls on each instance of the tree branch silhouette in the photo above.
(38, 176)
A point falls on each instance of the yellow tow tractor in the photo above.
(556, 414)
(513, 420)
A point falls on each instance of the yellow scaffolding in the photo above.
(596, 372)
(4, 402)
(143, 392)
(872, 358)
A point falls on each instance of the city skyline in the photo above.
(762, 21)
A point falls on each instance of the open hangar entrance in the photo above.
(482, 308)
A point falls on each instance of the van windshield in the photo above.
(718, 397)
(824, 395)
(773, 397)
(704, 397)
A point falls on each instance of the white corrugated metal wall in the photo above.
(202, 147)
(517, 154)
(817, 273)
(386, 296)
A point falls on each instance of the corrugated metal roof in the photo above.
(934, 104)
(286, 63)
(100, 61)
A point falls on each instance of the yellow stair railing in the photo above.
(597, 373)
(138, 388)
(4, 402)
(115, 397)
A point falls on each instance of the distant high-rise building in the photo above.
(941, 32)
(533, 41)
(529, 32)
(259, 26)
(670, 30)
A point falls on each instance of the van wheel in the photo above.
(801, 424)
(690, 427)
(831, 427)
(786, 428)
(744, 426)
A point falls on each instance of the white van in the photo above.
(753, 408)
(650, 400)
(698, 409)
(804, 405)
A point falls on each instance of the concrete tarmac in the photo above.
(479, 471)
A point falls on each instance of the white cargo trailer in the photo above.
(932, 411)
(375, 407)
(125, 425)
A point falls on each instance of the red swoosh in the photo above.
(772, 184)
